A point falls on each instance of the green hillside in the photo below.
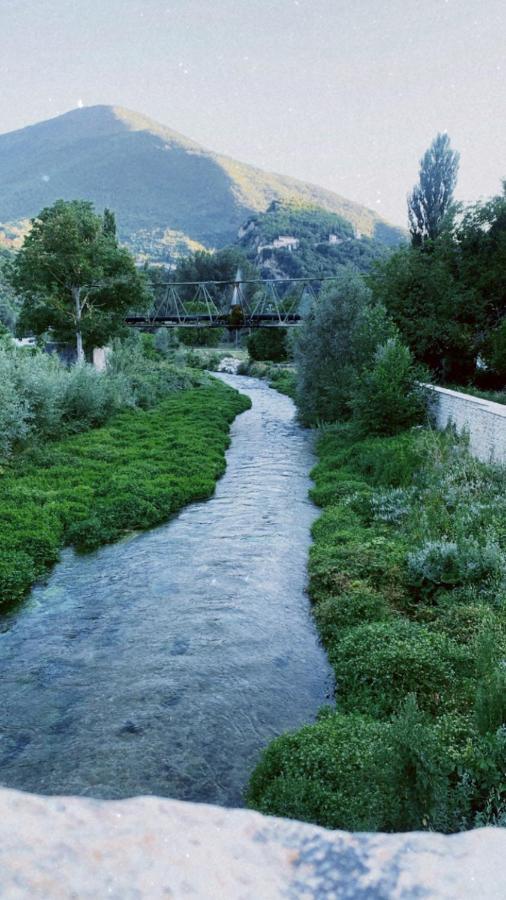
(167, 191)
(317, 242)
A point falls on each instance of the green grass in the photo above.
(408, 581)
(284, 381)
(131, 474)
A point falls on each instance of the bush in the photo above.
(266, 344)
(41, 397)
(490, 704)
(200, 337)
(389, 398)
(378, 664)
(445, 563)
(130, 474)
(432, 673)
(337, 340)
(356, 605)
(333, 773)
(354, 773)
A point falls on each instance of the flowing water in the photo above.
(163, 664)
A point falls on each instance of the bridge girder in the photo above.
(236, 305)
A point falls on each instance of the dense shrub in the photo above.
(355, 773)
(130, 474)
(268, 344)
(41, 397)
(337, 340)
(407, 577)
(378, 664)
(389, 397)
(356, 605)
(333, 772)
(200, 337)
(446, 563)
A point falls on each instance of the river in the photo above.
(164, 663)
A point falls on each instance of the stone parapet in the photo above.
(59, 848)
(483, 420)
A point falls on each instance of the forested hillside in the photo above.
(294, 239)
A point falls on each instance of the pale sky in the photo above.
(345, 93)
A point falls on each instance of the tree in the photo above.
(109, 222)
(73, 276)
(9, 304)
(481, 238)
(389, 397)
(337, 340)
(432, 307)
(431, 200)
(268, 344)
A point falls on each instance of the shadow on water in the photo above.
(164, 664)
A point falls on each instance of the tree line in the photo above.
(446, 290)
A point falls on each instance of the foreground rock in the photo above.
(57, 847)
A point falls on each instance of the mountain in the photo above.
(169, 193)
(299, 240)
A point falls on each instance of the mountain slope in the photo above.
(315, 243)
(164, 187)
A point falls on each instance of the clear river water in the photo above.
(163, 664)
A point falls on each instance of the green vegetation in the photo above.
(41, 399)
(74, 278)
(445, 292)
(9, 303)
(430, 203)
(268, 344)
(408, 581)
(132, 473)
(351, 363)
(327, 241)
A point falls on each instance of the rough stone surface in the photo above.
(483, 420)
(69, 847)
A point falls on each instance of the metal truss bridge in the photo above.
(237, 304)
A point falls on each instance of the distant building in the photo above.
(283, 242)
(335, 239)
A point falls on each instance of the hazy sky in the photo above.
(344, 93)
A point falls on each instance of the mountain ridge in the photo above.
(166, 189)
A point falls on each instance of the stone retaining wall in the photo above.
(71, 847)
(483, 420)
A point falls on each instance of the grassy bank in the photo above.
(408, 581)
(132, 473)
(278, 376)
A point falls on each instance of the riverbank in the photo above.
(407, 577)
(130, 474)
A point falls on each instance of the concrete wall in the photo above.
(484, 421)
(72, 848)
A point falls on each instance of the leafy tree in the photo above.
(337, 341)
(389, 398)
(481, 240)
(432, 307)
(206, 266)
(430, 201)
(74, 277)
(268, 344)
(9, 304)
(109, 223)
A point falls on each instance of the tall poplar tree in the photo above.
(431, 200)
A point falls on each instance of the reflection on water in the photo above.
(164, 664)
